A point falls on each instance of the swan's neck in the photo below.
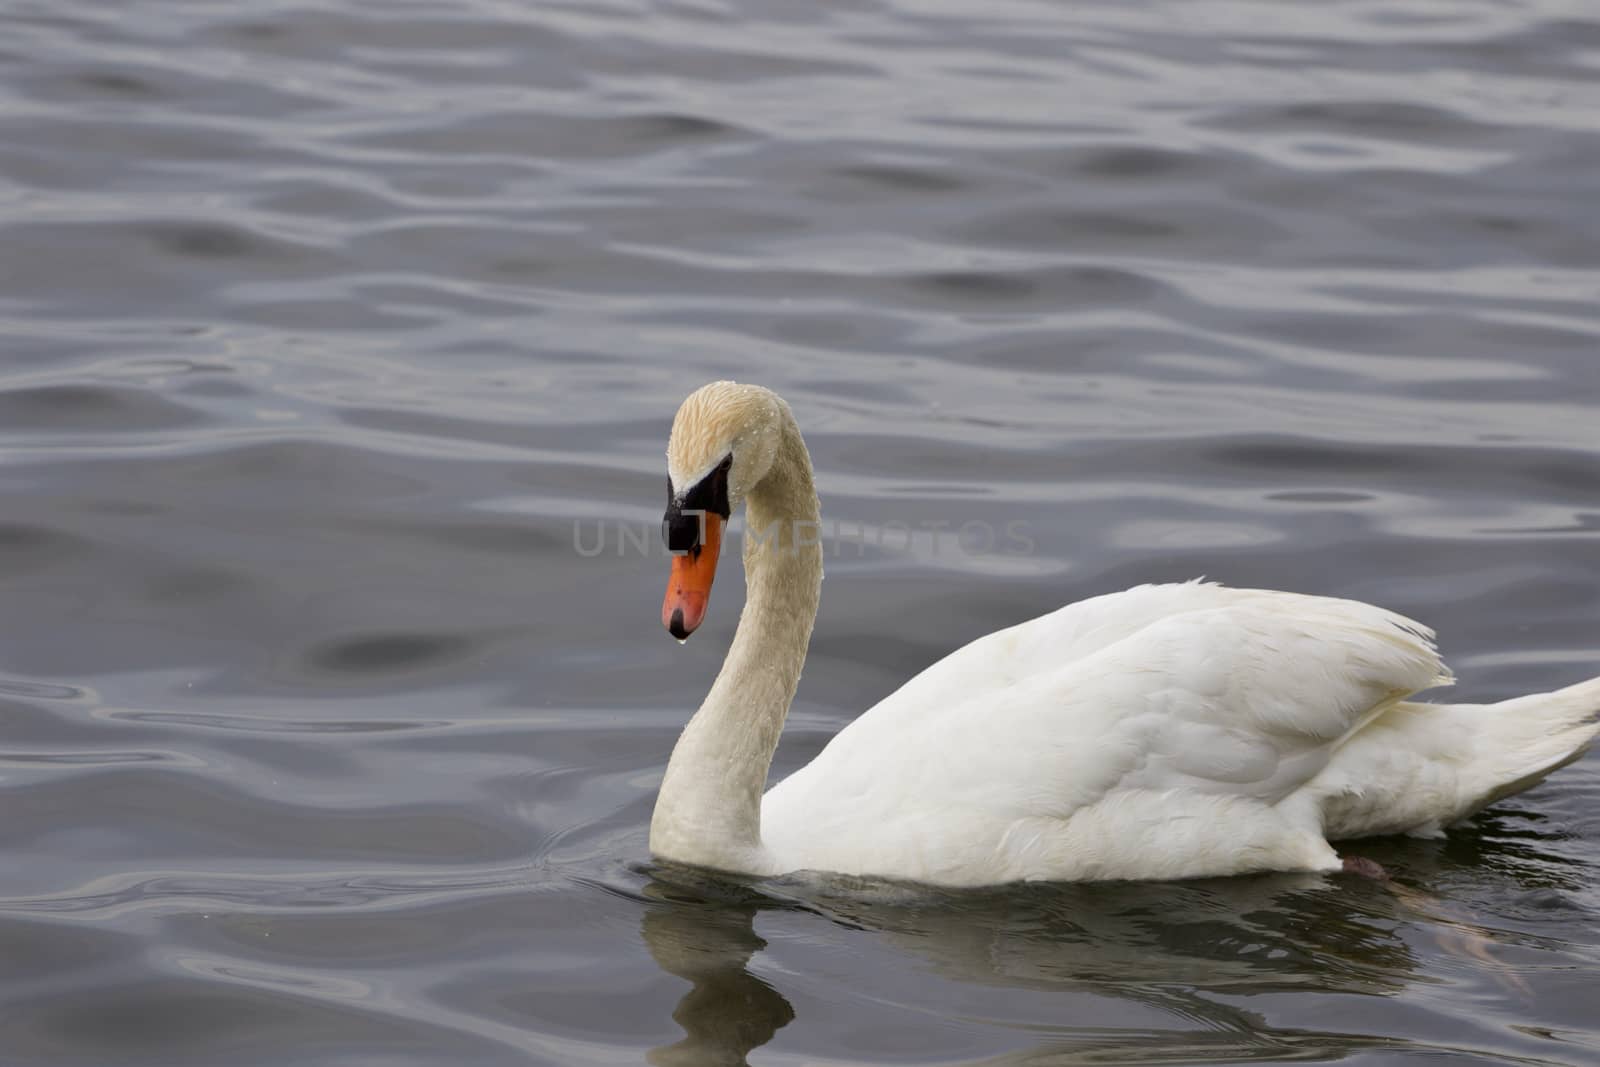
(709, 810)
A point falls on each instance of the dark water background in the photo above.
(330, 332)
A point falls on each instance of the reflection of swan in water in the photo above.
(729, 1011)
(1146, 942)
(1166, 951)
(1172, 953)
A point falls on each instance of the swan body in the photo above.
(1169, 731)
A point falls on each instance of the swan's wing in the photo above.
(1248, 700)
(1253, 699)
(1273, 648)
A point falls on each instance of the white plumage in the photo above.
(1169, 731)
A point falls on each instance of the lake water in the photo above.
(335, 337)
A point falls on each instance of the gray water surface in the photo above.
(334, 336)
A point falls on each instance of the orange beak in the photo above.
(689, 588)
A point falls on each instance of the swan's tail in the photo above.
(1420, 767)
(1519, 741)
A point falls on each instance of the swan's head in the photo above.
(723, 442)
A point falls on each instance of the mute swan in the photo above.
(1169, 731)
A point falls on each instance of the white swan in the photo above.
(1169, 731)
